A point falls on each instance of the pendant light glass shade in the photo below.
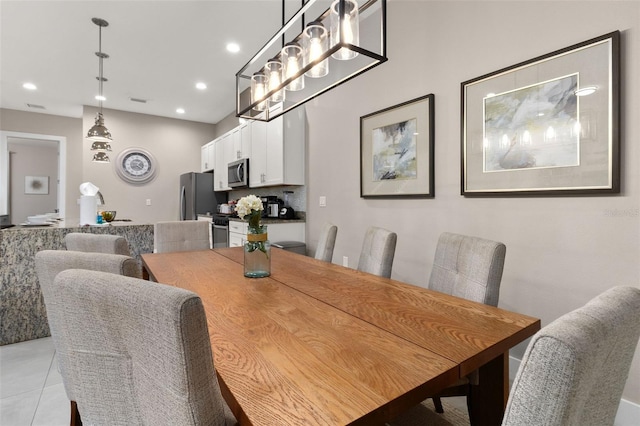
(259, 90)
(99, 133)
(100, 146)
(274, 72)
(292, 63)
(316, 42)
(101, 157)
(344, 28)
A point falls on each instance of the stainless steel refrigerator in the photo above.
(197, 195)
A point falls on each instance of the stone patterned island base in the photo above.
(22, 311)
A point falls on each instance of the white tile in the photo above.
(18, 410)
(54, 408)
(24, 366)
(54, 377)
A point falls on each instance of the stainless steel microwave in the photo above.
(238, 173)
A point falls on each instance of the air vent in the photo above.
(35, 106)
(142, 101)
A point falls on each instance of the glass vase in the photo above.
(257, 253)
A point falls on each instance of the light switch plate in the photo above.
(323, 201)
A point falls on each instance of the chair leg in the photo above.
(75, 415)
(438, 404)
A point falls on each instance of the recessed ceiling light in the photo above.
(29, 86)
(100, 98)
(180, 110)
(233, 47)
(201, 86)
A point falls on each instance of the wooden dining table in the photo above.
(321, 344)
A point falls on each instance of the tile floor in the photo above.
(31, 389)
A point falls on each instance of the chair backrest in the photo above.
(139, 352)
(327, 241)
(377, 253)
(574, 369)
(181, 235)
(468, 267)
(97, 243)
(50, 263)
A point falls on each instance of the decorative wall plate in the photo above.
(136, 166)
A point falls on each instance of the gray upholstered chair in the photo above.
(97, 243)
(377, 253)
(50, 263)
(326, 242)
(471, 268)
(139, 352)
(181, 235)
(574, 369)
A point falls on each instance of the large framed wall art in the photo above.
(547, 126)
(396, 151)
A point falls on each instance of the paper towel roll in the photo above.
(88, 210)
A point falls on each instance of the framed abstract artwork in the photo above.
(396, 151)
(547, 126)
(37, 185)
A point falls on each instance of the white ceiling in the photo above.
(158, 51)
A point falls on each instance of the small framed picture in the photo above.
(547, 126)
(36, 185)
(397, 149)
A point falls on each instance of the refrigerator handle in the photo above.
(183, 204)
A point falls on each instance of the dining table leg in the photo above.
(488, 400)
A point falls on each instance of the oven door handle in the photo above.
(220, 226)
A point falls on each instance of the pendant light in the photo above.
(316, 42)
(344, 28)
(99, 134)
(292, 63)
(333, 36)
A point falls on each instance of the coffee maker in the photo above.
(271, 206)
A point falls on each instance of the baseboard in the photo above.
(628, 412)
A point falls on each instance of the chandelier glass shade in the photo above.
(343, 40)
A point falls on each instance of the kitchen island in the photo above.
(22, 312)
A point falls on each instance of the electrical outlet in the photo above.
(148, 201)
(345, 261)
(323, 201)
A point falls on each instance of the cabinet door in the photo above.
(235, 145)
(220, 175)
(245, 140)
(275, 152)
(207, 157)
(204, 158)
(258, 162)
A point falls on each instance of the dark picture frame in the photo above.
(397, 150)
(531, 129)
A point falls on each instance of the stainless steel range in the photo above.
(220, 230)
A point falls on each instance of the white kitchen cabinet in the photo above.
(207, 157)
(241, 141)
(277, 150)
(288, 231)
(220, 171)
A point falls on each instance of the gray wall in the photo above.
(175, 144)
(54, 125)
(32, 160)
(561, 251)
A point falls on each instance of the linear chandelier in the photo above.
(302, 61)
(98, 133)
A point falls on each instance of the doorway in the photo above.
(38, 180)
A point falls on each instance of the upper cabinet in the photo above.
(207, 157)
(241, 141)
(223, 150)
(277, 150)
